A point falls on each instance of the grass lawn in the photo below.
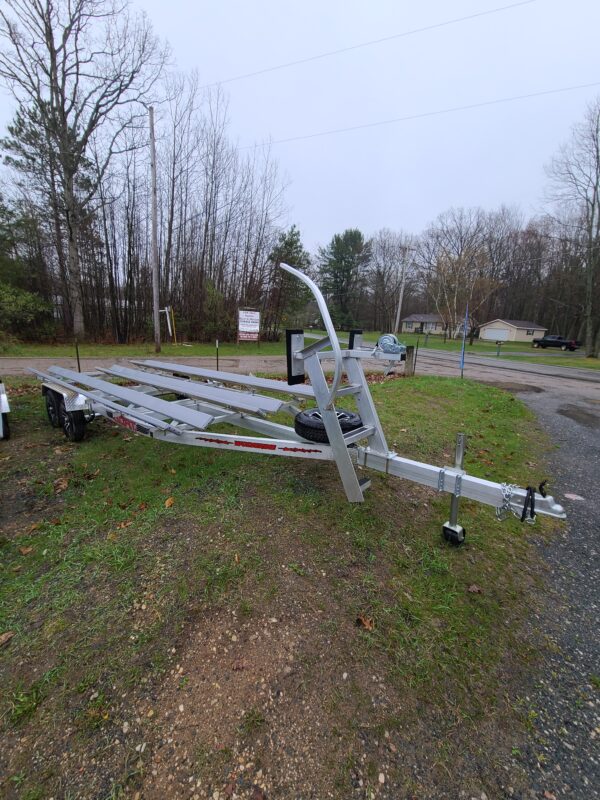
(580, 362)
(87, 350)
(120, 552)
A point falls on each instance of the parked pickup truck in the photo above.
(557, 341)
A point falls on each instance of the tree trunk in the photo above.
(73, 259)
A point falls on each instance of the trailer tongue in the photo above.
(207, 398)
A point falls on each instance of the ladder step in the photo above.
(353, 388)
(364, 483)
(360, 433)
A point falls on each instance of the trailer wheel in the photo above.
(74, 425)
(5, 427)
(309, 424)
(53, 408)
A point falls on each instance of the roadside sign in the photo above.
(248, 325)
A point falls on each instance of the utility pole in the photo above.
(401, 297)
(155, 279)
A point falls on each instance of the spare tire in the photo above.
(309, 424)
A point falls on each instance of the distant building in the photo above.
(511, 330)
(423, 323)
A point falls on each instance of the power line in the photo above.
(370, 43)
(425, 114)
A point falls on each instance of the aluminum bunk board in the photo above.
(299, 390)
(189, 416)
(243, 401)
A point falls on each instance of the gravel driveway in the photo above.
(564, 757)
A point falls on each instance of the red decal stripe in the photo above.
(214, 441)
(299, 450)
(257, 445)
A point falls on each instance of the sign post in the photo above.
(248, 325)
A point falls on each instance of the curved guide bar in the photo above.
(335, 345)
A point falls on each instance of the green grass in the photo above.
(570, 360)
(145, 349)
(106, 574)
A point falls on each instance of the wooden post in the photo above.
(409, 364)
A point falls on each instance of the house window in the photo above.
(530, 332)
(408, 325)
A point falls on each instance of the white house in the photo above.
(423, 323)
(511, 330)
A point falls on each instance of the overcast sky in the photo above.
(399, 175)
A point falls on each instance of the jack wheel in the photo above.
(74, 425)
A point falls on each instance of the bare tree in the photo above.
(453, 261)
(575, 175)
(79, 69)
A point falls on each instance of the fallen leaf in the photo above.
(169, 502)
(474, 589)
(127, 438)
(60, 484)
(549, 796)
(173, 472)
(25, 550)
(124, 524)
(6, 637)
(55, 521)
(363, 621)
(229, 789)
(143, 506)
(112, 536)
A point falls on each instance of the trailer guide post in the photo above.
(325, 432)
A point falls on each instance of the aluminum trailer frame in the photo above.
(206, 398)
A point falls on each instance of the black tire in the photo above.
(543, 346)
(5, 427)
(53, 408)
(309, 424)
(74, 425)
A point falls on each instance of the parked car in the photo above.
(557, 341)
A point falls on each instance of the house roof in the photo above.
(423, 318)
(517, 323)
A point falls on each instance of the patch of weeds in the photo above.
(595, 681)
(251, 723)
(95, 714)
(245, 608)
(24, 702)
(298, 569)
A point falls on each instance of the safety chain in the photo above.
(503, 511)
